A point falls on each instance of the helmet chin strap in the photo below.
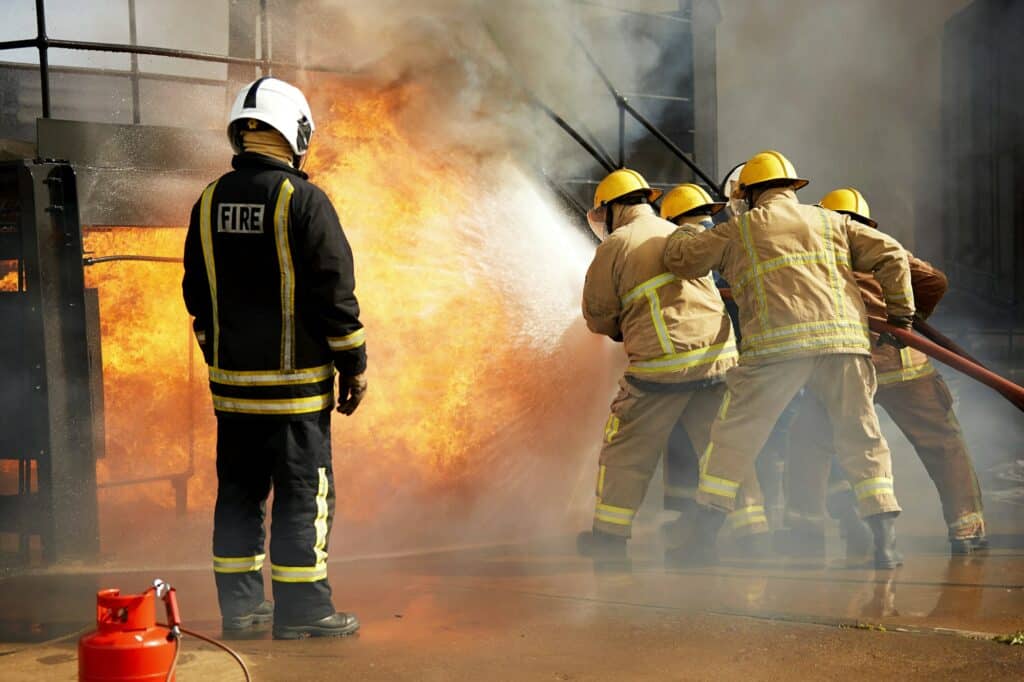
(609, 218)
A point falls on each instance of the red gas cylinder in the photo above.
(128, 645)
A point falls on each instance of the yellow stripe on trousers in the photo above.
(318, 571)
(240, 564)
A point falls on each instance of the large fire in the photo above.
(486, 393)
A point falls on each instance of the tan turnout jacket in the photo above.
(892, 364)
(673, 330)
(791, 270)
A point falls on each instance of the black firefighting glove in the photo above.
(900, 321)
(351, 390)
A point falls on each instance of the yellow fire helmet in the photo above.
(686, 198)
(618, 184)
(849, 201)
(765, 167)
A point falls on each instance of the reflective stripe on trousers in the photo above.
(908, 370)
(747, 516)
(309, 574)
(873, 487)
(242, 564)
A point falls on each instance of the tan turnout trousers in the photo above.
(757, 395)
(635, 436)
(923, 410)
(681, 471)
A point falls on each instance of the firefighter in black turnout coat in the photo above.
(269, 281)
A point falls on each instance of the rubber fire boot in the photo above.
(679, 531)
(261, 615)
(754, 546)
(967, 546)
(883, 526)
(803, 541)
(335, 625)
(601, 546)
(857, 537)
(703, 551)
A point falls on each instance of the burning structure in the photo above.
(469, 257)
(459, 141)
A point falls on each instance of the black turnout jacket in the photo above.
(269, 280)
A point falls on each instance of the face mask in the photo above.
(597, 218)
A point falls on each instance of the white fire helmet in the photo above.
(735, 207)
(280, 105)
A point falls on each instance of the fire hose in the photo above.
(934, 344)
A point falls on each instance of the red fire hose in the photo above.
(948, 353)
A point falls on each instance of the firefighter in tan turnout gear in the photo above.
(679, 343)
(691, 206)
(804, 325)
(269, 280)
(915, 396)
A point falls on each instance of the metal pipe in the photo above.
(672, 147)
(177, 54)
(651, 128)
(150, 259)
(597, 67)
(146, 49)
(622, 132)
(133, 36)
(668, 98)
(265, 64)
(18, 44)
(589, 134)
(85, 70)
(42, 42)
(574, 135)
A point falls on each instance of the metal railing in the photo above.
(266, 64)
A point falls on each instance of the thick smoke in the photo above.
(484, 63)
(848, 90)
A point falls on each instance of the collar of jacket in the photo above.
(700, 223)
(624, 215)
(251, 160)
(776, 194)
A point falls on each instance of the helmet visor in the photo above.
(597, 218)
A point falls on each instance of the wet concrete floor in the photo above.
(537, 612)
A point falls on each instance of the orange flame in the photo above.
(485, 391)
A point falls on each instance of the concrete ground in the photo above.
(537, 612)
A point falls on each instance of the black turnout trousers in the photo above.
(292, 457)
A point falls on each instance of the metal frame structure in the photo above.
(50, 409)
(43, 43)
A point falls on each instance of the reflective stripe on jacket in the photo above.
(673, 330)
(894, 365)
(269, 281)
(791, 270)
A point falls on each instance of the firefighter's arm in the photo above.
(195, 286)
(691, 253)
(929, 283)
(878, 253)
(601, 305)
(325, 251)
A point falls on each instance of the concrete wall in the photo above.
(848, 89)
